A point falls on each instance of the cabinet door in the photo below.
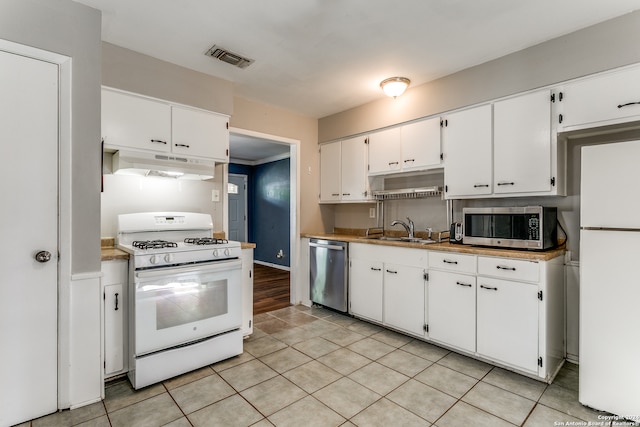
(115, 280)
(385, 152)
(452, 309)
(129, 121)
(421, 145)
(404, 298)
(199, 133)
(330, 172)
(606, 99)
(467, 153)
(507, 322)
(354, 170)
(113, 328)
(365, 289)
(522, 144)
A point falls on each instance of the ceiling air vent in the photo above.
(229, 57)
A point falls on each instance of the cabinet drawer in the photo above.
(507, 268)
(452, 262)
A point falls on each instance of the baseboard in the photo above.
(278, 266)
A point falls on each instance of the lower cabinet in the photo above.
(404, 298)
(503, 310)
(507, 317)
(365, 288)
(115, 278)
(387, 286)
(452, 309)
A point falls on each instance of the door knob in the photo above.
(43, 256)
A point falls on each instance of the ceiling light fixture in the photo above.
(395, 86)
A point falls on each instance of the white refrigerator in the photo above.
(610, 278)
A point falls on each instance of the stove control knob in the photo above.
(168, 258)
(215, 253)
(153, 259)
(227, 252)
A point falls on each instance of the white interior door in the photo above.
(28, 221)
(238, 208)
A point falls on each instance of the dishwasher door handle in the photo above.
(320, 245)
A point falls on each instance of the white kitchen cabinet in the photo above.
(384, 152)
(387, 286)
(468, 155)
(330, 167)
(246, 256)
(522, 144)
(199, 133)
(609, 98)
(404, 298)
(137, 122)
(520, 313)
(408, 148)
(366, 281)
(452, 309)
(421, 148)
(115, 287)
(343, 173)
(131, 121)
(507, 321)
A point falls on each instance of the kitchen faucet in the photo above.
(410, 227)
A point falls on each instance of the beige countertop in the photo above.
(446, 247)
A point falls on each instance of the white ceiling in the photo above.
(251, 150)
(320, 57)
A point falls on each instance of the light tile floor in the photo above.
(312, 367)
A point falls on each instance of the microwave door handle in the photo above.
(211, 267)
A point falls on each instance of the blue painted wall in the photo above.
(268, 209)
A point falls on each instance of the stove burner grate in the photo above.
(205, 241)
(153, 244)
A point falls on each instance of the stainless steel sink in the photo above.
(403, 239)
(417, 240)
(388, 238)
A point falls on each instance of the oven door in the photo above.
(178, 305)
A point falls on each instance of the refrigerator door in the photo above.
(610, 185)
(609, 321)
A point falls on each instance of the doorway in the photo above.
(276, 148)
(237, 190)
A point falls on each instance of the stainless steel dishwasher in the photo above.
(328, 269)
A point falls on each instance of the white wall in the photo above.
(129, 194)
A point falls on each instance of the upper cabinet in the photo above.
(522, 144)
(412, 147)
(508, 148)
(467, 152)
(343, 171)
(605, 99)
(132, 121)
(199, 133)
(135, 122)
(421, 145)
(384, 152)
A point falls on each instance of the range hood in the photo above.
(126, 162)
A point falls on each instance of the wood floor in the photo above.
(270, 288)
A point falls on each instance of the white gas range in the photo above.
(185, 294)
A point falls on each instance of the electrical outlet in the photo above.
(372, 212)
(215, 195)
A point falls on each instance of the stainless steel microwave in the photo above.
(530, 227)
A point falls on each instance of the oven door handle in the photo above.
(209, 267)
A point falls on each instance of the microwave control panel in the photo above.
(534, 227)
